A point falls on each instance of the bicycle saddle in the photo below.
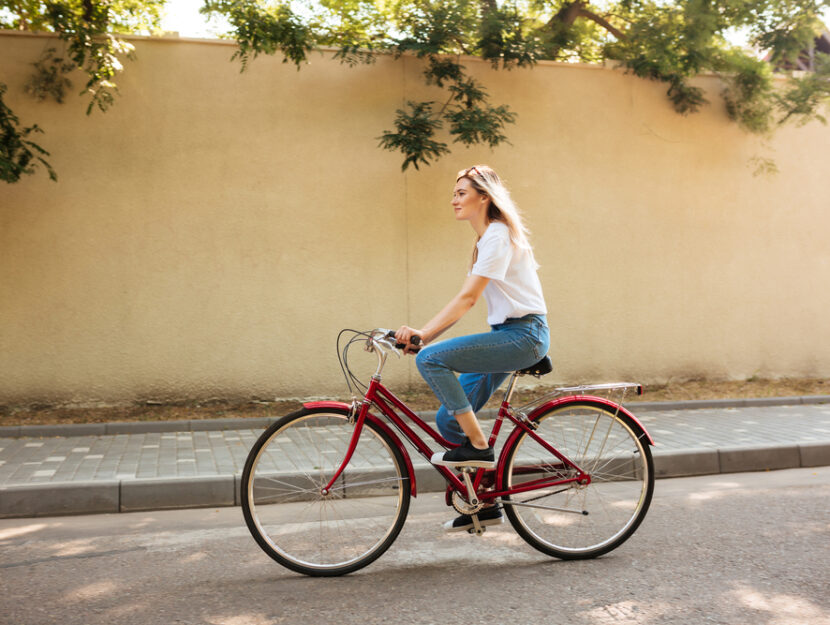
(541, 368)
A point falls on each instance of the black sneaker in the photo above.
(486, 516)
(465, 456)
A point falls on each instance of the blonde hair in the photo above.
(486, 181)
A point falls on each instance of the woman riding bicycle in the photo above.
(504, 271)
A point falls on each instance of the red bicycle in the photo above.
(326, 489)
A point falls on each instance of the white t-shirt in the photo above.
(514, 289)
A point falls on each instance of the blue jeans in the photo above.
(484, 362)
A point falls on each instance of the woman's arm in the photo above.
(456, 308)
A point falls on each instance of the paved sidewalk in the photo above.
(73, 471)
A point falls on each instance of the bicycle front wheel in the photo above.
(572, 520)
(312, 533)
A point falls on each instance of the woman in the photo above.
(504, 271)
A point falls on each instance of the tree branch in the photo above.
(569, 13)
(583, 12)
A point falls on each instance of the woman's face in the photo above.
(468, 203)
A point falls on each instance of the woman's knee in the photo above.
(426, 360)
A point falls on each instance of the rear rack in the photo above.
(610, 386)
(586, 389)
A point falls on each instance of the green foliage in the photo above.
(89, 29)
(480, 124)
(670, 41)
(803, 97)
(122, 16)
(748, 95)
(18, 155)
(507, 36)
(49, 79)
(414, 135)
(264, 30)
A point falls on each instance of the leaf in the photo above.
(414, 135)
(16, 151)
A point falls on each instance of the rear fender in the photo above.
(640, 429)
(605, 403)
(340, 406)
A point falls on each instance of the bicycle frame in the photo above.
(381, 397)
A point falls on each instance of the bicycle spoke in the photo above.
(606, 448)
(324, 534)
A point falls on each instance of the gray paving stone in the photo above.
(162, 493)
(428, 480)
(737, 459)
(140, 427)
(84, 429)
(684, 462)
(215, 424)
(815, 399)
(145, 464)
(58, 499)
(815, 454)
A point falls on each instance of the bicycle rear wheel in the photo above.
(574, 521)
(312, 533)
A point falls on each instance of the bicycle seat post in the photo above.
(508, 393)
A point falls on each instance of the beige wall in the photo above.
(212, 232)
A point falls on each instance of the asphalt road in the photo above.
(735, 548)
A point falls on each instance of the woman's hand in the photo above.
(404, 335)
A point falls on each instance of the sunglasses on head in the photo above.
(466, 172)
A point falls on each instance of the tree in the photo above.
(662, 40)
(89, 30)
(18, 154)
(670, 42)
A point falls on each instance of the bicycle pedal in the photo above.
(474, 532)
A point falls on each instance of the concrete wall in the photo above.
(213, 231)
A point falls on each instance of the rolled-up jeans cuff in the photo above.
(455, 413)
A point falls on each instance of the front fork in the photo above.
(362, 411)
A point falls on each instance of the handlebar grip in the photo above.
(414, 340)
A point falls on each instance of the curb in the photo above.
(256, 423)
(136, 495)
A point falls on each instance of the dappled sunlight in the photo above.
(707, 496)
(504, 537)
(558, 520)
(91, 591)
(124, 610)
(781, 609)
(15, 532)
(241, 619)
(145, 522)
(717, 489)
(627, 613)
(186, 539)
(194, 557)
(76, 547)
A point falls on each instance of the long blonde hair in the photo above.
(502, 208)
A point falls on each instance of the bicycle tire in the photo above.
(580, 521)
(306, 531)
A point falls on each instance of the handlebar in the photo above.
(414, 341)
